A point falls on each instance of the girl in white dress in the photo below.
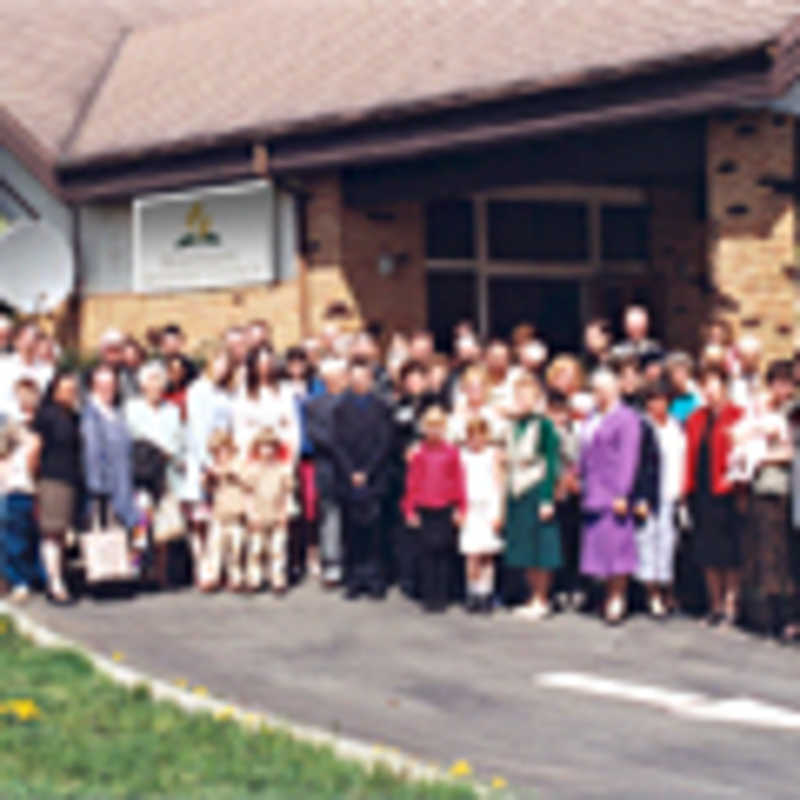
(480, 538)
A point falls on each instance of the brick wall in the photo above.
(679, 265)
(202, 314)
(751, 227)
(346, 244)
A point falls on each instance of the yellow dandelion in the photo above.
(23, 710)
(200, 691)
(461, 769)
(252, 720)
(181, 683)
(118, 656)
(225, 713)
(3, 627)
(499, 783)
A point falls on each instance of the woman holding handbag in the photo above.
(155, 427)
(107, 453)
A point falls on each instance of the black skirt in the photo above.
(718, 531)
(718, 523)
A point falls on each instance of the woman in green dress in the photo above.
(533, 539)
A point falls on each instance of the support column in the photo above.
(752, 226)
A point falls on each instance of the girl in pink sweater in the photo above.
(434, 503)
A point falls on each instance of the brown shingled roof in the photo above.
(54, 51)
(274, 66)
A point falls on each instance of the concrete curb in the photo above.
(364, 753)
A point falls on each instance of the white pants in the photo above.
(223, 550)
(268, 543)
(656, 541)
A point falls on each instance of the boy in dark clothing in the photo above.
(362, 438)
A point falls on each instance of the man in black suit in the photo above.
(362, 439)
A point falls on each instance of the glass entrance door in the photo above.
(552, 306)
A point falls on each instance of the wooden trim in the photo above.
(541, 116)
(123, 186)
(31, 153)
(302, 259)
(786, 59)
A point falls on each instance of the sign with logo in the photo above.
(212, 237)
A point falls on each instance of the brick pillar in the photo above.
(678, 247)
(752, 227)
(346, 245)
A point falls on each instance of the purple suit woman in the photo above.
(608, 462)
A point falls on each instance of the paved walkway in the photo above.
(450, 687)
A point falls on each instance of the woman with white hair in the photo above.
(608, 463)
(159, 443)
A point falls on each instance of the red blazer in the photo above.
(720, 443)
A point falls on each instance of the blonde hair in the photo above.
(434, 417)
(562, 362)
(527, 381)
(220, 439)
(477, 374)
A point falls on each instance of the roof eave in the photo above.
(389, 112)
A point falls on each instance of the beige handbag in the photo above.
(168, 521)
(105, 554)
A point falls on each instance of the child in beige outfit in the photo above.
(225, 544)
(269, 483)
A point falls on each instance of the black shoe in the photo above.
(352, 593)
(472, 604)
(487, 605)
(714, 619)
(377, 592)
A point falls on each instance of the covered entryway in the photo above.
(533, 254)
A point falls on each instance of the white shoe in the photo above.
(615, 610)
(534, 611)
(20, 594)
(657, 607)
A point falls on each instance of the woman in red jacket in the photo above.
(713, 495)
(434, 503)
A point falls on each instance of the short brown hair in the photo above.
(714, 369)
(477, 425)
(522, 334)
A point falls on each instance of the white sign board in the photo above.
(216, 236)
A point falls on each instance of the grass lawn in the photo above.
(68, 732)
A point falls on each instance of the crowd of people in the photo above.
(624, 477)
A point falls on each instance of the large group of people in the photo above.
(501, 475)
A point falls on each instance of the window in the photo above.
(626, 233)
(449, 231)
(538, 231)
(451, 298)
